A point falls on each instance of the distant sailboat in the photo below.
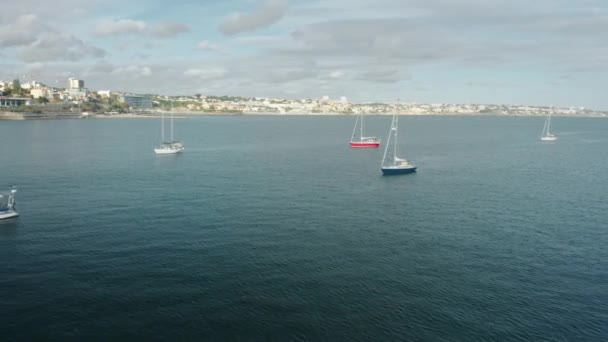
(546, 134)
(7, 204)
(362, 141)
(391, 164)
(168, 147)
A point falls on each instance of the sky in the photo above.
(541, 52)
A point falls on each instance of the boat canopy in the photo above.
(7, 198)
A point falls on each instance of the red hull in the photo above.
(355, 144)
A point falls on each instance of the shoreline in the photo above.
(183, 115)
(13, 116)
(121, 116)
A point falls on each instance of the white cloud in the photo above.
(120, 27)
(336, 74)
(269, 13)
(132, 70)
(289, 74)
(382, 75)
(58, 11)
(139, 56)
(59, 47)
(10, 38)
(205, 73)
(79, 11)
(207, 46)
(102, 67)
(263, 40)
(169, 29)
(22, 31)
(26, 20)
(146, 71)
(35, 67)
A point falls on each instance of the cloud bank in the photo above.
(269, 13)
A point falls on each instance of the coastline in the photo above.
(187, 114)
(18, 116)
(122, 116)
(13, 116)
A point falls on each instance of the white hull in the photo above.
(8, 214)
(168, 150)
(546, 134)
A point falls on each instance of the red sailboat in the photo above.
(362, 141)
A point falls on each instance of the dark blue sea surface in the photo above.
(272, 228)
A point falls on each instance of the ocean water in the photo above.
(272, 228)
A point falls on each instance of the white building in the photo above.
(75, 84)
(76, 90)
(103, 93)
(41, 92)
(6, 85)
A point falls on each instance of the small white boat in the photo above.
(7, 204)
(171, 147)
(546, 134)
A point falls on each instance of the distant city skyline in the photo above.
(547, 52)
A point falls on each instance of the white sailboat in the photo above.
(546, 134)
(362, 141)
(392, 164)
(7, 204)
(168, 147)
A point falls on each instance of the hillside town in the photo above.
(35, 98)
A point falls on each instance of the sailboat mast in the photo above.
(162, 126)
(355, 128)
(172, 125)
(361, 132)
(395, 143)
(542, 134)
(549, 124)
(388, 142)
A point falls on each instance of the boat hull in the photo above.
(167, 151)
(548, 138)
(357, 144)
(8, 214)
(389, 171)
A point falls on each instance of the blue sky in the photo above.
(546, 52)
